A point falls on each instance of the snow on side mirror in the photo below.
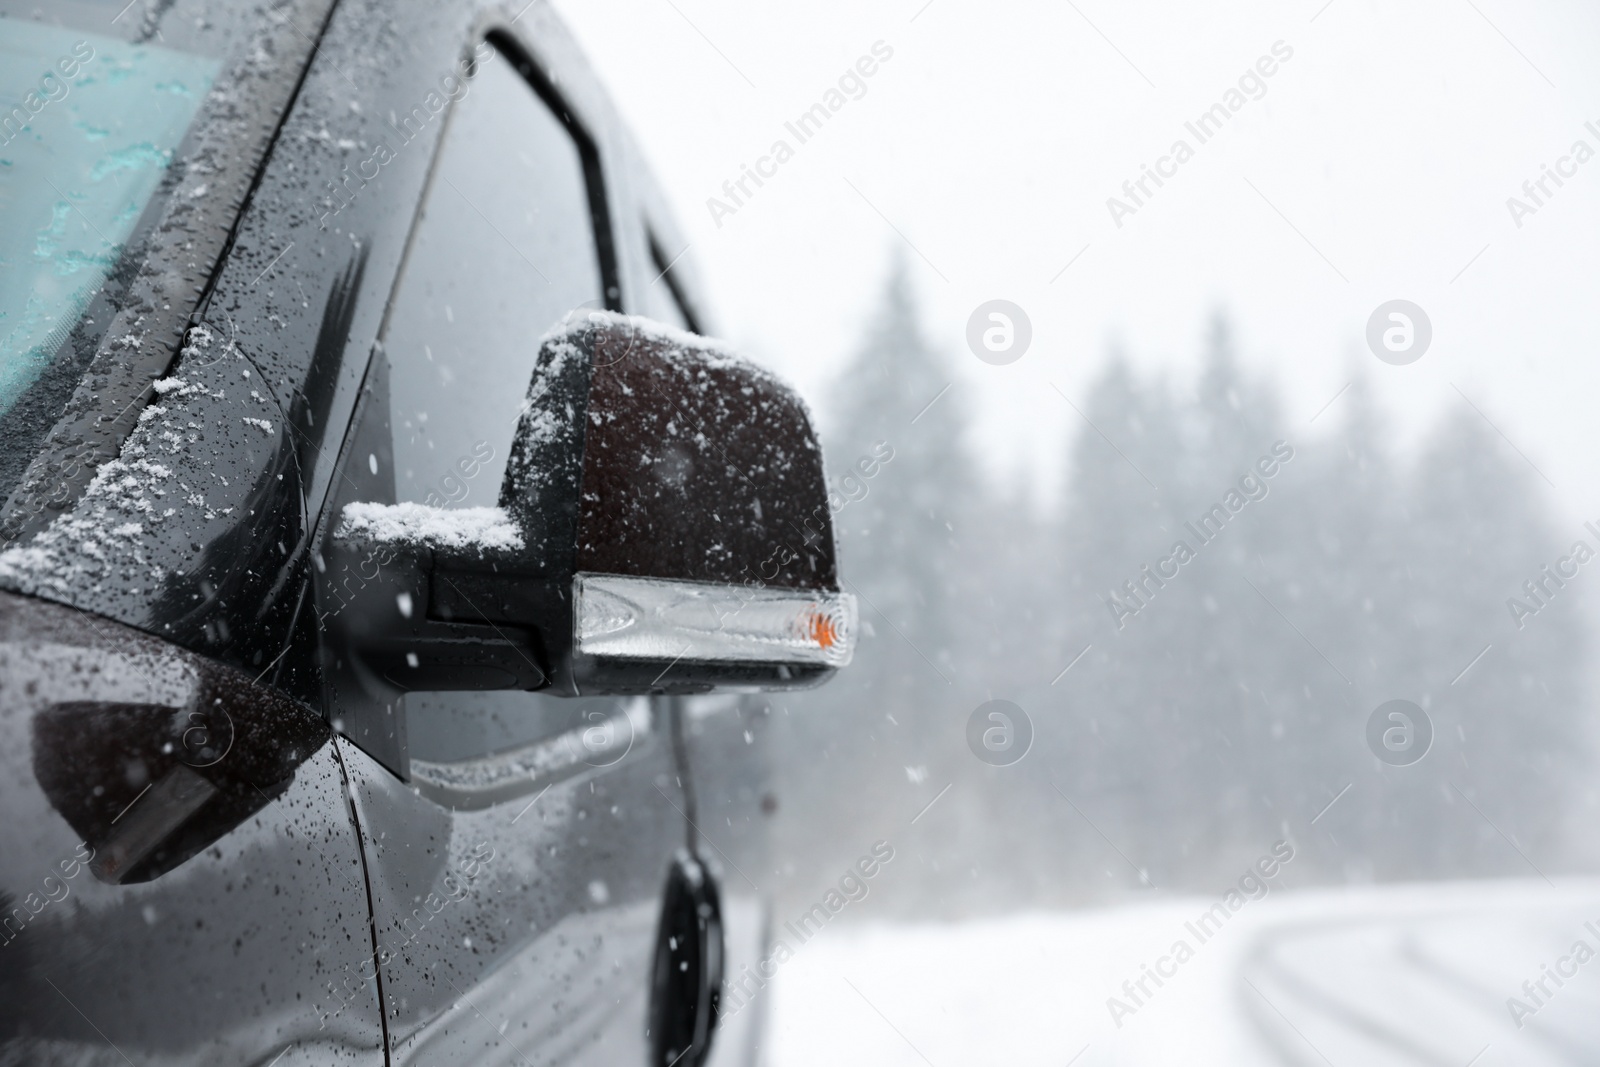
(663, 527)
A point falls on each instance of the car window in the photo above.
(505, 247)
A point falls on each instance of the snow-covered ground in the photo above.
(1373, 977)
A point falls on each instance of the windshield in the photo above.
(91, 127)
(103, 112)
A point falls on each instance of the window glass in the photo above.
(80, 155)
(505, 247)
(97, 123)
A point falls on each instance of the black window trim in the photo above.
(524, 64)
(665, 273)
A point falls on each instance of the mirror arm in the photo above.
(450, 622)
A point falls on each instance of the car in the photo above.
(374, 505)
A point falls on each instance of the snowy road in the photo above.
(1368, 978)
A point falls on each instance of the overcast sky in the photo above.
(1376, 165)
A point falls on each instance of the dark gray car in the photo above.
(363, 469)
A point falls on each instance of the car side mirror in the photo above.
(663, 527)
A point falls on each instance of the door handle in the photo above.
(686, 986)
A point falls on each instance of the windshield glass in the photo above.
(90, 127)
(112, 118)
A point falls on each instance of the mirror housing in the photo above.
(663, 527)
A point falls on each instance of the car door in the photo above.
(517, 844)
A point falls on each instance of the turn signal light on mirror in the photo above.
(622, 617)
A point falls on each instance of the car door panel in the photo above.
(246, 937)
(527, 924)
